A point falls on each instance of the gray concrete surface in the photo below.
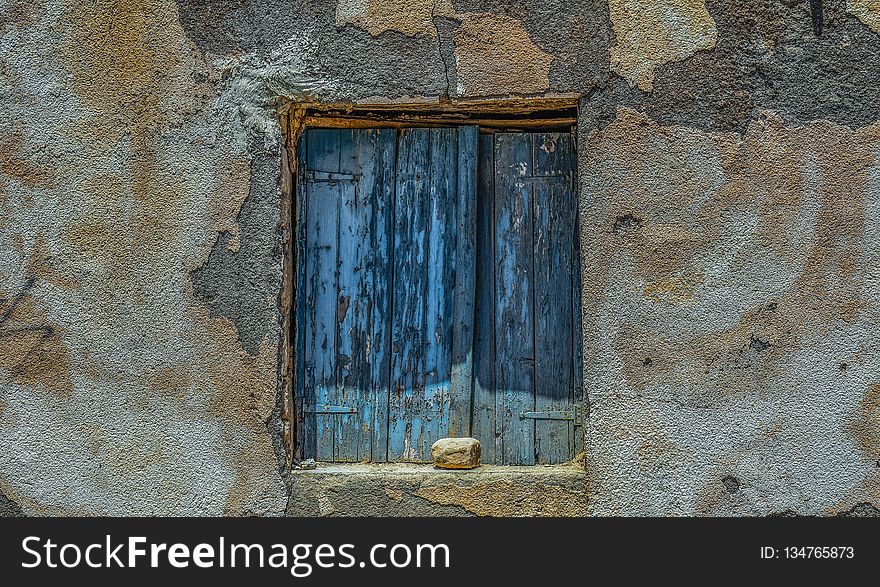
(730, 198)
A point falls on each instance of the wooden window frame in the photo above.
(548, 114)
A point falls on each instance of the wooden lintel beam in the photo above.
(409, 121)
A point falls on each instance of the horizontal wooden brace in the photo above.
(332, 410)
(327, 176)
(550, 415)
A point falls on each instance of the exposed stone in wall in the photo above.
(495, 56)
(493, 53)
(650, 34)
(8, 508)
(535, 499)
(867, 11)
(576, 34)
(410, 17)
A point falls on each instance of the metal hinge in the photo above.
(332, 410)
(550, 415)
(331, 176)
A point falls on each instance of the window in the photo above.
(437, 293)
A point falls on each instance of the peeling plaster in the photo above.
(149, 180)
(729, 191)
(650, 34)
(8, 508)
(410, 17)
(867, 11)
(744, 369)
(494, 55)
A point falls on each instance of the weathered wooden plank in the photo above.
(362, 265)
(349, 322)
(427, 270)
(320, 304)
(409, 288)
(554, 261)
(442, 194)
(577, 331)
(514, 314)
(380, 266)
(464, 268)
(484, 397)
(349, 191)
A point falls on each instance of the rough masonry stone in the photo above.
(456, 453)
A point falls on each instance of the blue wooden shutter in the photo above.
(528, 342)
(385, 285)
(432, 308)
(346, 207)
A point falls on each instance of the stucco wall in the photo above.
(730, 210)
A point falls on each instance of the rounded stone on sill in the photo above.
(456, 453)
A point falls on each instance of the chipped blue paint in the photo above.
(430, 252)
(533, 283)
(426, 311)
(347, 201)
(384, 282)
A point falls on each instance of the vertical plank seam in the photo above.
(312, 418)
(379, 212)
(498, 437)
(456, 199)
(309, 394)
(575, 263)
(359, 391)
(392, 260)
(471, 218)
(334, 419)
(423, 355)
(499, 420)
(533, 282)
(497, 425)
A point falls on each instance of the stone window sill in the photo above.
(404, 489)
